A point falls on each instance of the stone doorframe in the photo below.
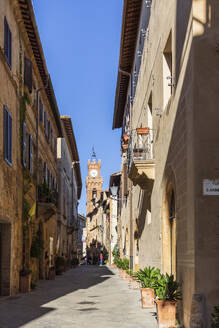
(169, 223)
(5, 258)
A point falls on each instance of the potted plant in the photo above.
(25, 280)
(148, 278)
(52, 273)
(74, 262)
(60, 265)
(125, 138)
(44, 192)
(168, 294)
(142, 130)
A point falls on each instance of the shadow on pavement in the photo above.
(19, 310)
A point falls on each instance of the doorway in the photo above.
(5, 258)
(169, 223)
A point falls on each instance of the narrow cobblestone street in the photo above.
(88, 296)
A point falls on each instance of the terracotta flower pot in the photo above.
(125, 138)
(25, 283)
(166, 313)
(144, 130)
(147, 297)
(122, 273)
(52, 274)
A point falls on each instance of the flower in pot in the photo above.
(168, 294)
(148, 278)
(125, 138)
(143, 130)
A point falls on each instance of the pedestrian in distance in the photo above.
(101, 258)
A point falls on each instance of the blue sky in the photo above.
(81, 41)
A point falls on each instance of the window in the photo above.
(24, 154)
(49, 176)
(167, 72)
(7, 42)
(45, 169)
(7, 132)
(51, 138)
(41, 110)
(30, 166)
(28, 73)
(48, 130)
(94, 194)
(45, 123)
(55, 146)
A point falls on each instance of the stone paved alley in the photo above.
(88, 296)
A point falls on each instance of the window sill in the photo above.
(9, 163)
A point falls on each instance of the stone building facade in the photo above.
(70, 184)
(30, 125)
(167, 85)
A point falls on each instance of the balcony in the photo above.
(141, 164)
(47, 201)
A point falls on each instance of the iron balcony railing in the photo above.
(140, 147)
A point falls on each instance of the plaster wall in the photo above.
(172, 145)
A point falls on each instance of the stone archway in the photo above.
(169, 223)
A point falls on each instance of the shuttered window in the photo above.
(125, 179)
(7, 133)
(28, 73)
(45, 123)
(48, 130)
(51, 138)
(55, 146)
(30, 154)
(24, 145)
(7, 42)
(41, 110)
(45, 172)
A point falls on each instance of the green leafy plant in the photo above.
(46, 194)
(130, 272)
(123, 264)
(74, 261)
(215, 318)
(25, 272)
(116, 254)
(148, 277)
(60, 261)
(167, 288)
(37, 247)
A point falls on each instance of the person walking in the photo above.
(101, 258)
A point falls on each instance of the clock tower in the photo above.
(94, 183)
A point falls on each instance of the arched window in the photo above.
(94, 193)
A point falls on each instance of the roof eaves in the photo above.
(130, 26)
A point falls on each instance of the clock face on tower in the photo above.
(93, 173)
